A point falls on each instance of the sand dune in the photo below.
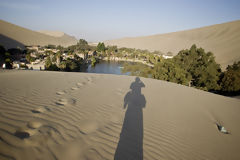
(42, 117)
(52, 33)
(28, 37)
(222, 39)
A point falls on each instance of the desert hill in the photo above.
(52, 33)
(12, 36)
(61, 115)
(221, 39)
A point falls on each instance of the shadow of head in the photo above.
(137, 79)
(136, 86)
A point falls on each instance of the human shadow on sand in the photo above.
(130, 145)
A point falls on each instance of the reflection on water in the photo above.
(107, 67)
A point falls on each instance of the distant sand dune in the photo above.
(29, 37)
(52, 33)
(222, 39)
(176, 122)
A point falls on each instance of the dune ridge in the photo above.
(179, 122)
(221, 39)
(29, 37)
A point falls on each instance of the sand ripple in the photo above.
(53, 121)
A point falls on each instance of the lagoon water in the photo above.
(107, 67)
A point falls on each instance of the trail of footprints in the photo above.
(28, 130)
(40, 110)
(33, 127)
(86, 127)
(64, 101)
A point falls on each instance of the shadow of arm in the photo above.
(126, 100)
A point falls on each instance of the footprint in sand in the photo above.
(62, 102)
(24, 133)
(90, 80)
(74, 88)
(65, 101)
(40, 110)
(28, 130)
(80, 84)
(60, 92)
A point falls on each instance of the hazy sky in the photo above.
(98, 20)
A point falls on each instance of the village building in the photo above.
(167, 56)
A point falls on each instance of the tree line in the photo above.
(193, 67)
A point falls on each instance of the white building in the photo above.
(167, 56)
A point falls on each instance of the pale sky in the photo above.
(98, 20)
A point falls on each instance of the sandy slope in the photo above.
(222, 39)
(80, 116)
(52, 33)
(9, 33)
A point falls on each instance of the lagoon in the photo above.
(107, 67)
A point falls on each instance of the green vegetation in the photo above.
(30, 58)
(201, 66)
(71, 61)
(6, 57)
(169, 71)
(135, 54)
(230, 81)
(55, 62)
(49, 65)
(82, 46)
(137, 69)
(112, 51)
(101, 47)
(93, 61)
(192, 67)
(8, 63)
